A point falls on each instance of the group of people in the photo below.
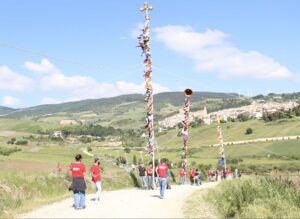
(78, 186)
(78, 172)
(195, 176)
(161, 175)
(212, 175)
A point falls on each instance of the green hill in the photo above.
(107, 104)
(6, 110)
(126, 111)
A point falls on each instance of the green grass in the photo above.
(22, 191)
(207, 134)
(22, 125)
(251, 198)
(197, 207)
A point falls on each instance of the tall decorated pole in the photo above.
(144, 43)
(186, 123)
(222, 161)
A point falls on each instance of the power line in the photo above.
(33, 52)
(191, 81)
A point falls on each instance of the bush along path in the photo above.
(255, 198)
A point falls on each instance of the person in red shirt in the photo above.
(149, 175)
(78, 183)
(162, 172)
(96, 178)
(182, 175)
(192, 176)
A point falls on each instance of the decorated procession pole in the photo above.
(144, 43)
(186, 123)
(222, 161)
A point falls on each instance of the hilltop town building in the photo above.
(255, 110)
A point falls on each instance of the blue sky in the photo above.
(249, 46)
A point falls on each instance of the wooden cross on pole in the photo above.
(146, 9)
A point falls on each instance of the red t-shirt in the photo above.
(95, 170)
(162, 170)
(149, 171)
(78, 169)
(192, 173)
(182, 173)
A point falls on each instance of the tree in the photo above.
(249, 131)
(12, 141)
(134, 161)
(127, 150)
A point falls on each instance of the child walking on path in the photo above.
(96, 178)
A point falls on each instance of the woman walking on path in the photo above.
(149, 175)
(96, 178)
(78, 184)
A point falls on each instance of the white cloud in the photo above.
(10, 101)
(44, 67)
(212, 52)
(49, 100)
(79, 87)
(12, 81)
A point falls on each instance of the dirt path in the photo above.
(131, 203)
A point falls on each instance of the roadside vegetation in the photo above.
(255, 198)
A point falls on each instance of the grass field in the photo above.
(207, 134)
(23, 125)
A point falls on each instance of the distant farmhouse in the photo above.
(56, 134)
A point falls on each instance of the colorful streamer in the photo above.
(184, 153)
(144, 44)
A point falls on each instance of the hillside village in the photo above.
(254, 110)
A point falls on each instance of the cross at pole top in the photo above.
(146, 9)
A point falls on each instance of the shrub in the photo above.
(121, 160)
(249, 131)
(22, 142)
(127, 150)
(134, 160)
(250, 198)
(12, 141)
(8, 151)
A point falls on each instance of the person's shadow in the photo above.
(155, 196)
